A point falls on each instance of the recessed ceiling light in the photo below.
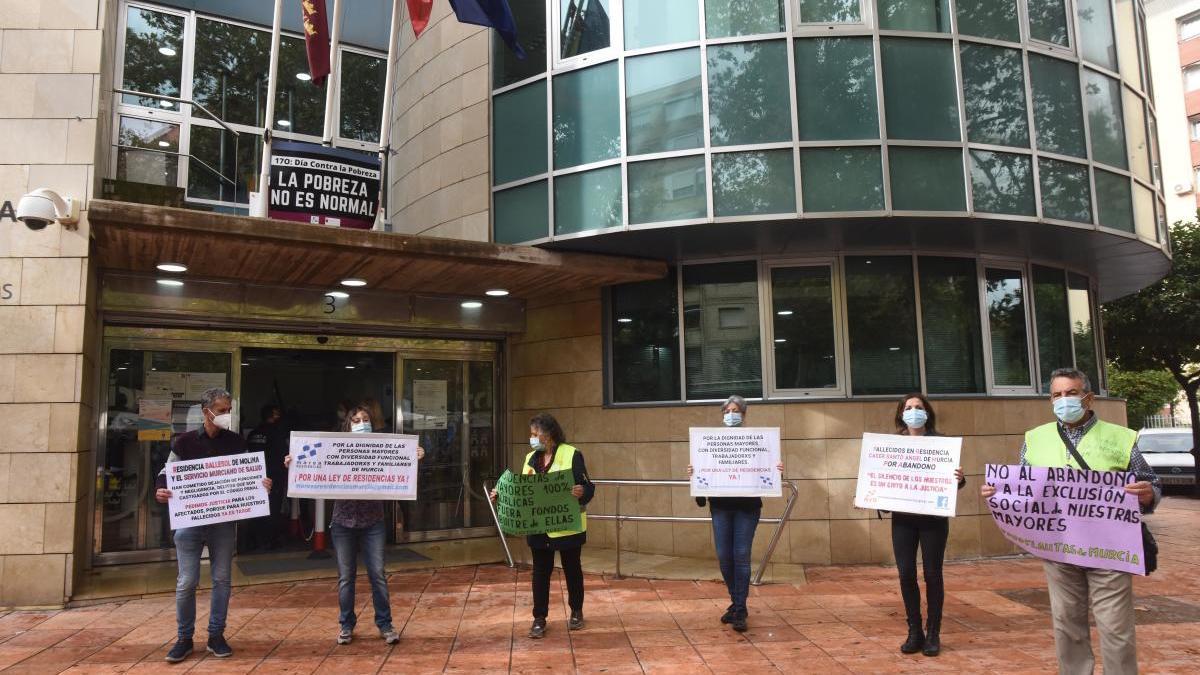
(784, 312)
(472, 304)
(172, 267)
(166, 104)
(624, 319)
(893, 349)
(284, 123)
(122, 368)
(353, 282)
(349, 367)
(303, 77)
(164, 144)
(167, 51)
(338, 294)
(781, 339)
(497, 292)
(169, 282)
(244, 364)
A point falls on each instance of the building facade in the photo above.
(1173, 27)
(820, 206)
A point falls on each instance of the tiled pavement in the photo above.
(473, 619)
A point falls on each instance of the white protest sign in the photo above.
(911, 474)
(735, 462)
(353, 466)
(217, 489)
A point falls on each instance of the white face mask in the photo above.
(224, 421)
(360, 427)
(536, 443)
(733, 419)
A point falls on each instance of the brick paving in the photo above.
(474, 619)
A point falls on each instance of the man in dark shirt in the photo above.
(214, 439)
(271, 439)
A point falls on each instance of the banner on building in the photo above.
(353, 466)
(1074, 516)
(311, 183)
(217, 490)
(735, 462)
(537, 503)
(911, 474)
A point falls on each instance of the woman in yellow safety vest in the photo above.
(550, 452)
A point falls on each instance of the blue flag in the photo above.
(493, 14)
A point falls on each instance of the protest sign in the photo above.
(353, 466)
(911, 474)
(735, 462)
(1074, 516)
(537, 503)
(217, 489)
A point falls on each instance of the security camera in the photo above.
(42, 207)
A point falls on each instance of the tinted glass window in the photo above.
(522, 213)
(519, 133)
(1103, 100)
(1079, 304)
(996, 19)
(649, 23)
(881, 316)
(645, 341)
(802, 314)
(994, 94)
(587, 122)
(919, 15)
(1052, 321)
(835, 89)
(830, 11)
(583, 26)
(1066, 194)
(1048, 21)
(727, 18)
(950, 326)
(667, 189)
(721, 335)
(919, 90)
(362, 83)
(841, 179)
(927, 179)
(1114, 201)
(1006, 316)
(507, 69)
(746, 183)
(1096, 32)
(1057, 112)
(589, 200)
(748, 93)
(663, 102)
(1002, 182)
(153, 57)
(231, 71)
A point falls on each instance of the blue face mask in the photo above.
(915, 417)
(360, 427)
(536, 443)
(733, 419)
(1069, 409)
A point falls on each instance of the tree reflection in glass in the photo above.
(1066, 194)
(830, 11)
(1048, 21)
(1006, 317)
(994, 94)
(230, 76)
(996, 19)
(153, 57)
(746, 183)
(1103, 100)
(835, 89)
(362, 83)
(1002, 182)
(918, 15)
(748, 93)
(1057, 112)
(728, 18)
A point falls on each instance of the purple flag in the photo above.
(1074, 516)
(493, 14)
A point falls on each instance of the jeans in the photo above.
(734, 534)
(930, 533)
(543, 568)
(189, 542)
(347, 542)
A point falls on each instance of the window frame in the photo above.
(616, 39)
(1072, 46)
(766, 317)
(866, 12)
(186, 120)
(983, 264)
(1190, 19)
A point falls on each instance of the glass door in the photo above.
(152, 395)
(450, 404)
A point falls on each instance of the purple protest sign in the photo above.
(1084, 518)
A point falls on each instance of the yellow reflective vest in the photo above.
(1105, 447)
(564, 455)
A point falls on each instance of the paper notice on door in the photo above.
(154, 419)
(198, 383)
(161, 384)
(429, 404)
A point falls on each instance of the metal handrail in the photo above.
(619, 517)
(176, 99)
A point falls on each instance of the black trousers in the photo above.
(543, 568)
(910, 530)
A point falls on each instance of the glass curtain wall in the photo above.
(1049, 90)
(222, 65)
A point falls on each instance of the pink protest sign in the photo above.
(1084, 518)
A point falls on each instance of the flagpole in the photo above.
(331, 121)
(259, 208)
(385, 125)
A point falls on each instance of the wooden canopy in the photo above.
(137, 237)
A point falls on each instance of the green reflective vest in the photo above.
(1105, 447)
(564, 455)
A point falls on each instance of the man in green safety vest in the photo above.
(1103, 447)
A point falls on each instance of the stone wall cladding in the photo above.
(439, 172)
(51, 60)
(556, 366)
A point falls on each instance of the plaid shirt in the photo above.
(357, 513)
(1137, 463)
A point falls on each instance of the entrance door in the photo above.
(152, 395)
(450, 404)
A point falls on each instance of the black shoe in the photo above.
(218, 647)
(933, 639)
(576, 620)
(538, 630)
(181, 650)
(916, 639)
(739, 621)
(729, 615)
